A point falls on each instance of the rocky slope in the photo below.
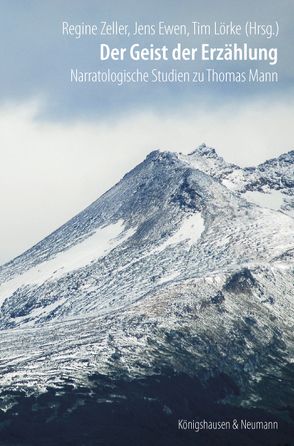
(270, 184)
(172, 269)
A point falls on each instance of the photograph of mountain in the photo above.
(163, 312)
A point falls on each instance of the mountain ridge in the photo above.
(170, 263)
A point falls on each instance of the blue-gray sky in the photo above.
(36, 58)
(63, 144)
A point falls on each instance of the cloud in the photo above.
(38, 58)
(50, 171)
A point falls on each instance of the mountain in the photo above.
(184, 268)
(270, 184)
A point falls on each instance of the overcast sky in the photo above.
(62, 145)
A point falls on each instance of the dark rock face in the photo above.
(140, 412)
(187, 197)
(240, 282)
(218, 298)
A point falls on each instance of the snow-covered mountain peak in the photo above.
(172, 251)
(207, 160)
(282, 160)
(269, 184)
(204, 150)
(161, 156)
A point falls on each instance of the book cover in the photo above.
(146, 231)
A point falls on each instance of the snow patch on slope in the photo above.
(168, 278)
(190, 232)
(97, 245)
(273, 200)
